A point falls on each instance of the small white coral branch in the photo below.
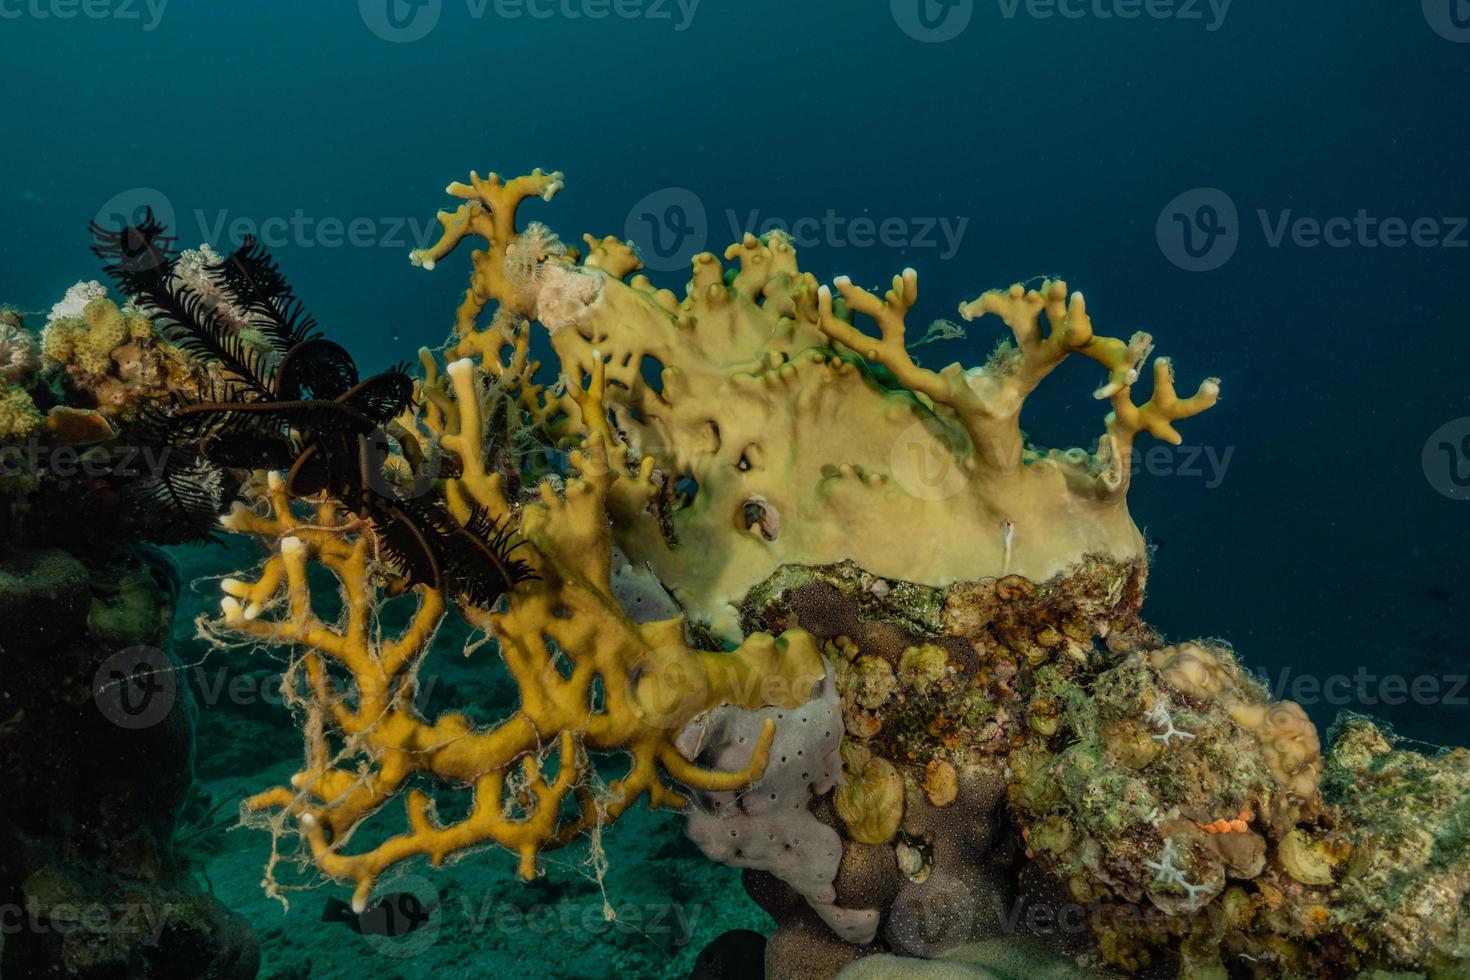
(1168, 872)
(1159, 717)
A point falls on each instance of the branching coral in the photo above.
(627, 686)
(779, 432)
(828, 600)
(713, 438)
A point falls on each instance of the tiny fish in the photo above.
(395, 915)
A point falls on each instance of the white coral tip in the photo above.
(462, 369)
(292, 547)
(234, 587)
(230, 606)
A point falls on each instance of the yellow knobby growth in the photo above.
(117, 357)
(590, 678)
(870, 799)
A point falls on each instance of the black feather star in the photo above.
(285, 398)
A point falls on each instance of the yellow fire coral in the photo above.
(780, 432)
(629, 686)
(712, 439)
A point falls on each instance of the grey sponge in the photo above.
(769, 826)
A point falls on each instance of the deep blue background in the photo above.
(1061, 141)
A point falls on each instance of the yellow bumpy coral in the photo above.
(19, 417)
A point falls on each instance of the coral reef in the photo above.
(885, 655)
(20, 353)
(114, 358)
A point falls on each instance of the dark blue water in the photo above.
(1300, 522)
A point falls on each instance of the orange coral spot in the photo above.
(1238, 825)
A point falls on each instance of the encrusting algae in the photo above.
(885, 655)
